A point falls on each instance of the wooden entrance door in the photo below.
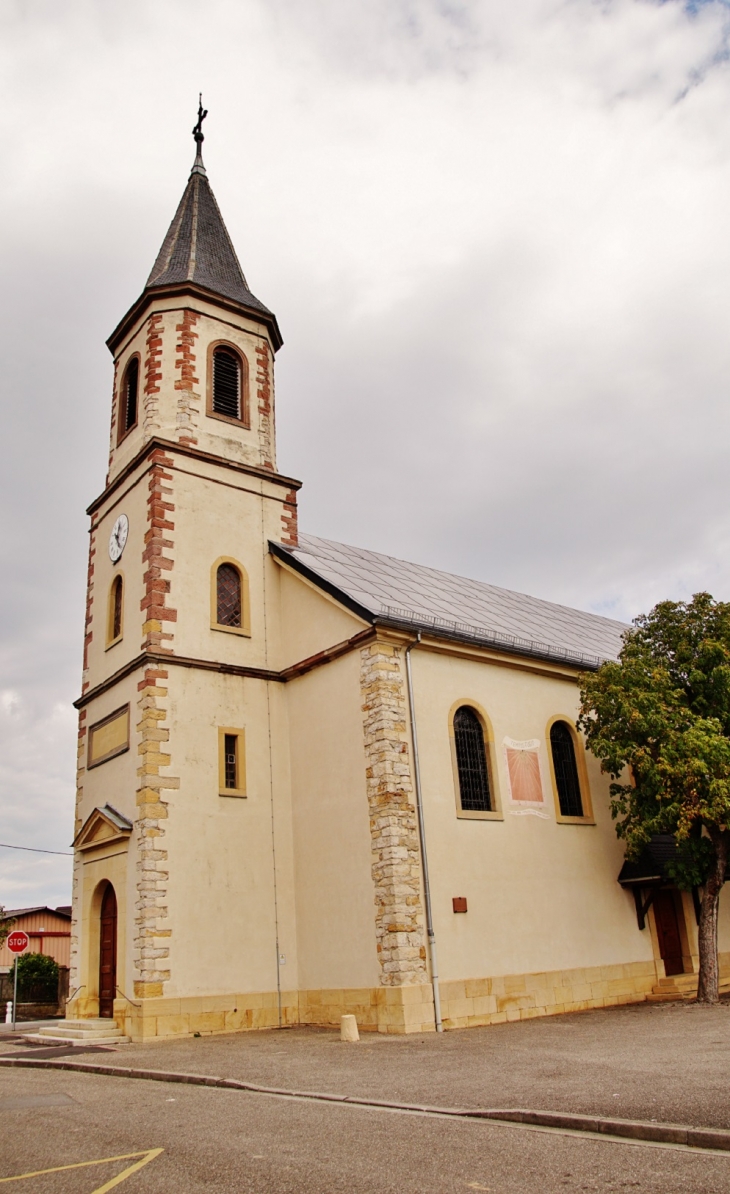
(667, 928)
(108, 953)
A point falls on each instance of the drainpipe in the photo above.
(422, 838)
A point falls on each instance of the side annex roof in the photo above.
(387, 591)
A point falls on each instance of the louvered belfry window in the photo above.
(131, 390)
(471, 761)
(226, 383)
(228, 596)
(128, 399)
(566, 770)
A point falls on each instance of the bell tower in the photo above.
(168, 344)
(181, 644)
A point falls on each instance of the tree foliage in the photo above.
(7, 924)
(659, 721)
(37, 977)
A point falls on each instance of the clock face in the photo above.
(118, 538)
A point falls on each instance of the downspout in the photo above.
(431, 937)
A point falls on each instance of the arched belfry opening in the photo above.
(107, 952)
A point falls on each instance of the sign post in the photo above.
(17, 943)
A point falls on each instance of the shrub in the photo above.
(37, 978)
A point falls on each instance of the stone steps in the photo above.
(681, 986)
(80, 1032)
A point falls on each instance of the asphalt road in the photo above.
(669, 1062)
(231, 1142)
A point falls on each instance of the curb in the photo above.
(716, 1139)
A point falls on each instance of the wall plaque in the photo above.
(109, 737)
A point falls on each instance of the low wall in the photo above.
(38, 1011)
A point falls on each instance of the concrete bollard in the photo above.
(348, 1029)
(9, 1012)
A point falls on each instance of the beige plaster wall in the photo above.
(113, 782)
(310, 621)
(334, 886)
(121, 453)
(723, 927)
(541, 895)
(132, 501)
(221, 861)
(221, 513)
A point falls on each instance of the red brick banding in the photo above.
(185, 363)
(151, 676)
(88, 632)
(289, 522)
(263, 393)
(153, 357)
(157, 586)
(115, 414)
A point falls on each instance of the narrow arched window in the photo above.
(227, 384)
(129, 397)
(471, 762)
(565, 768)
(116, 610)
(228, 595)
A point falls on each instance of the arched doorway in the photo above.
(108, 952)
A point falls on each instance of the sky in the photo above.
(496, 240)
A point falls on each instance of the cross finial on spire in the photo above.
(198, 167)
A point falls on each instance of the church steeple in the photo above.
(197, 247)
(197, 254)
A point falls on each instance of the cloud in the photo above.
(494, 236)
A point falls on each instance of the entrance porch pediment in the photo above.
(103, 827)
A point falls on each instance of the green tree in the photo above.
(659, 722)
(7, 924)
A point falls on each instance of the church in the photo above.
(312, 779)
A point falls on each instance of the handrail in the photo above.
(75, 992)
(121, 992)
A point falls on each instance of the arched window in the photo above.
(471, 762)
(565, 769)
(228, 596)
(227, 384)
(116, 610)
(129, 398)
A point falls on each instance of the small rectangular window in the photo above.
(231, 762)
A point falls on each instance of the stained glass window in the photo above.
(228, 596)
(566, 770)
(471, 761)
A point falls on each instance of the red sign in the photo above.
(18, 941)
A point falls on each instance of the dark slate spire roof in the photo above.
(198, 252)
(198, 249)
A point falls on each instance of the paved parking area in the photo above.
(670, 1063)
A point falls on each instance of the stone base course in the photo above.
(467, 1003)
(478, 1001)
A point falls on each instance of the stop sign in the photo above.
(18, 941)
